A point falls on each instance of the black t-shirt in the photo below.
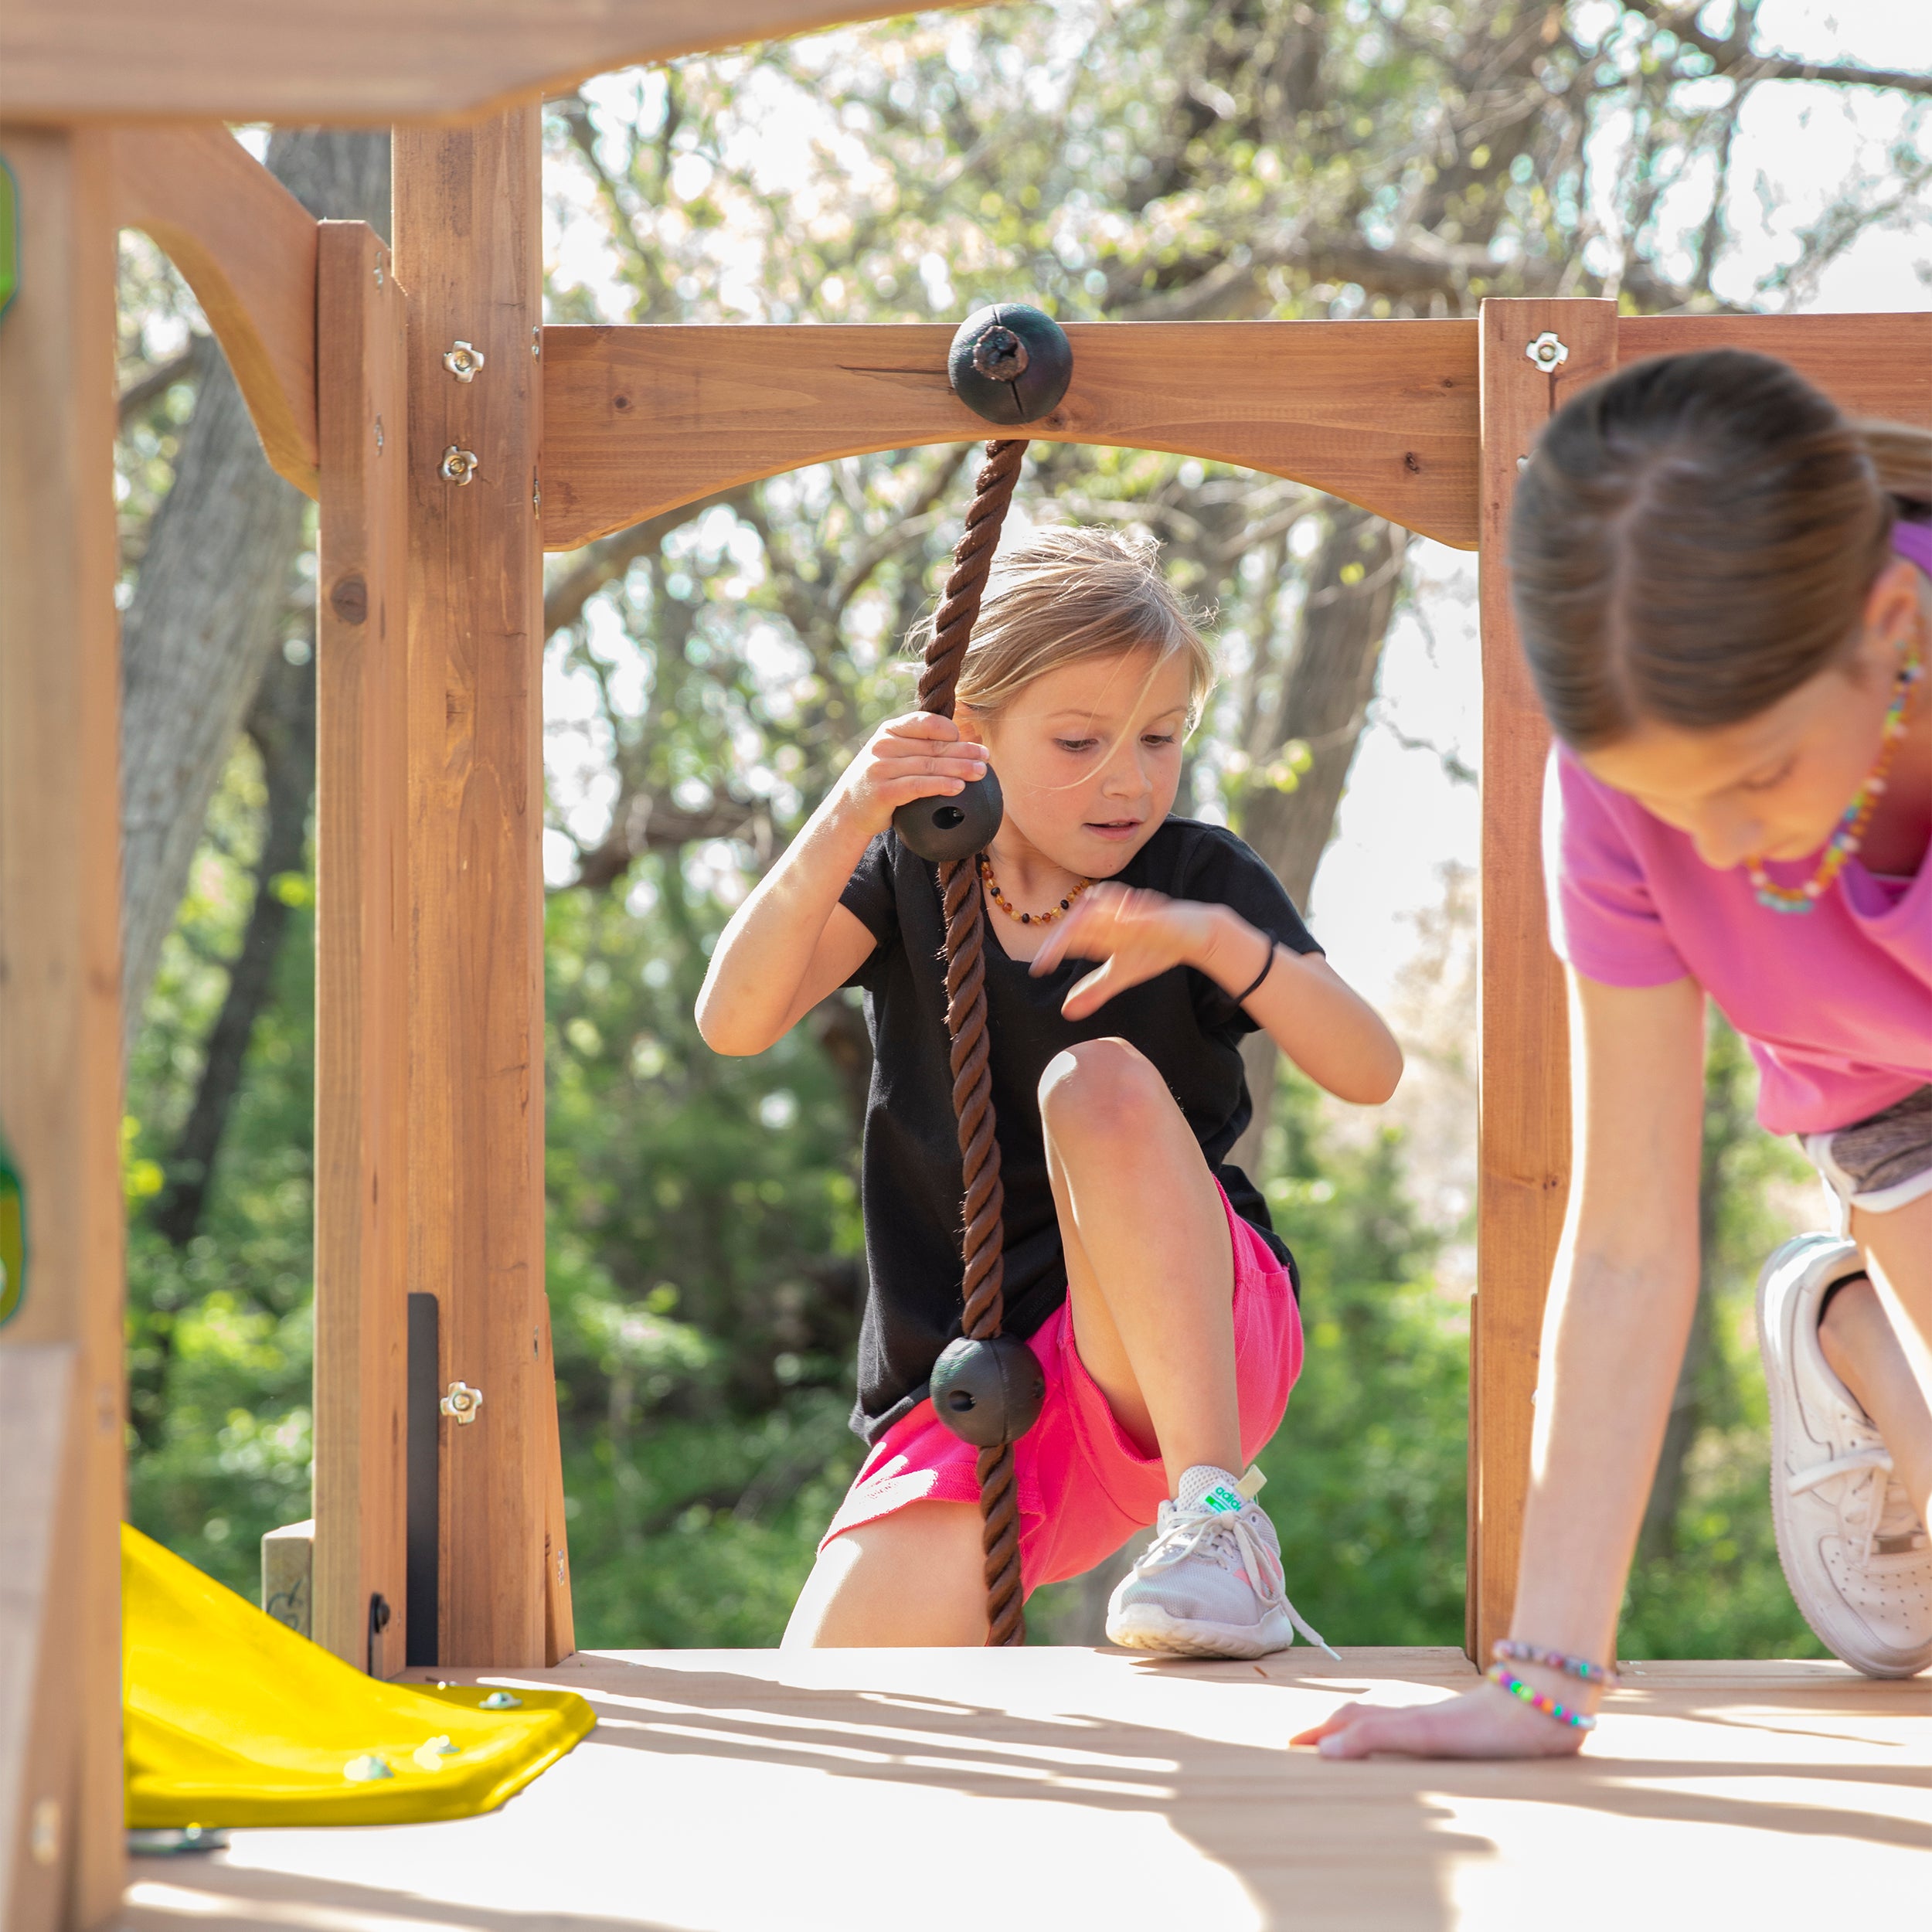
(1185, 1024)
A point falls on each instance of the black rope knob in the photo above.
(943, 829)
(988, 1393)
(1010, 363)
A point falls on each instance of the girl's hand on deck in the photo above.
(1483, 1722)
(1137, 934)
(919, 756)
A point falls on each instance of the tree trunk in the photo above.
(1323, 702)
(214, 590)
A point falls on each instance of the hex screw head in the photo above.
(459, 465)
(536, 341)
(463, 360)
(1549, 352)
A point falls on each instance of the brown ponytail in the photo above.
(1693, 538)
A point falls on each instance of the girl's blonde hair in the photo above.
(1068, 595)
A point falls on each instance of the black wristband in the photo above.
(1242, 998)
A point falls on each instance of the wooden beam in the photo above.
(352, 63)
(1523, 1104)
(247, 247)
(39, 1662)
(60, 900)
(1869, 365)
(361, 980)
(639, 420)
(468, 243)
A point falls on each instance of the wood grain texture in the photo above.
(358, 62)
(468, 243)
(247, 247)
(1869, 365)
(1523, 1104)
(40, 1450)
(60, 893)
(744, 1791)
(361, 982)
(639, 420)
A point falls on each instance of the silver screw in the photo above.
(463, 360)
(1549, 352)
(379, 436)
(536, 340)
(378, 274)
(462, 1402)
(537, 493)
(459, 466)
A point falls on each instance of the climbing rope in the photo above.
(966, 1022)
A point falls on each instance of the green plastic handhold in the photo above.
(9, 236)
(13, 1236)
(501, 1701)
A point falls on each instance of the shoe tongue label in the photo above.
(1221, 1498)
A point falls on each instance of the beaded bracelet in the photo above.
(1504, 1679)
(1579, 1666)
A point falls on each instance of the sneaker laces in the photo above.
(1879, 1501)
(1223, 1539)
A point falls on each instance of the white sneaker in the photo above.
(1854, 1553)
(1210, 1583)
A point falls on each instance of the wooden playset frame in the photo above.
(438, 496)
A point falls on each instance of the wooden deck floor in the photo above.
(1003, 1791)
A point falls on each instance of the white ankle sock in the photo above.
(1197, 1481)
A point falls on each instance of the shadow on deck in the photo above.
(748, 1791)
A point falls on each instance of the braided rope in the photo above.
(984, 1201)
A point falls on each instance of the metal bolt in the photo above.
(462, 1402)
(537, 493)
(459, 466)
(536, 340)
(379, 436)
(1548, 352)
(463, 360)
(378, 274)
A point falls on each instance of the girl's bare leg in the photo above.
(1877, 1337)
(1150, 1272)
(914, 1577)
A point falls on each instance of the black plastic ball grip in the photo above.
(988, 1393)
(1010, 363)
(955, 826)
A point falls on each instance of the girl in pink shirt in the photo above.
(1725, 591)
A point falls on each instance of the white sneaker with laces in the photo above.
(1854, 1553)
(1210, 1584)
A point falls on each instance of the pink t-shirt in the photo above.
(1835, 1004)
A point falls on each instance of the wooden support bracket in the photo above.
(639, 420)
(247, 247)
(362, 952)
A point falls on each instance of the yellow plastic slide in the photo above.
(234, 1719)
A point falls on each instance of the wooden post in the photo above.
(1523, 1110)
(362, 980)
(468, 233)
(60, 913)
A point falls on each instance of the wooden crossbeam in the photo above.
(247, 247)
(359, 63)
(639, 420)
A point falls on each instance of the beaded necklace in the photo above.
(1012, 911)
(1845, 841)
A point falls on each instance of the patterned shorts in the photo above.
(1880, 1163)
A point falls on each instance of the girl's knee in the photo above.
(1102, 1086)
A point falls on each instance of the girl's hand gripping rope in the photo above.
(919, 755)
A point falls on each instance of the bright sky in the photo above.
(1403, 817)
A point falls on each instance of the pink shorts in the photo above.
(1084, 1489)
